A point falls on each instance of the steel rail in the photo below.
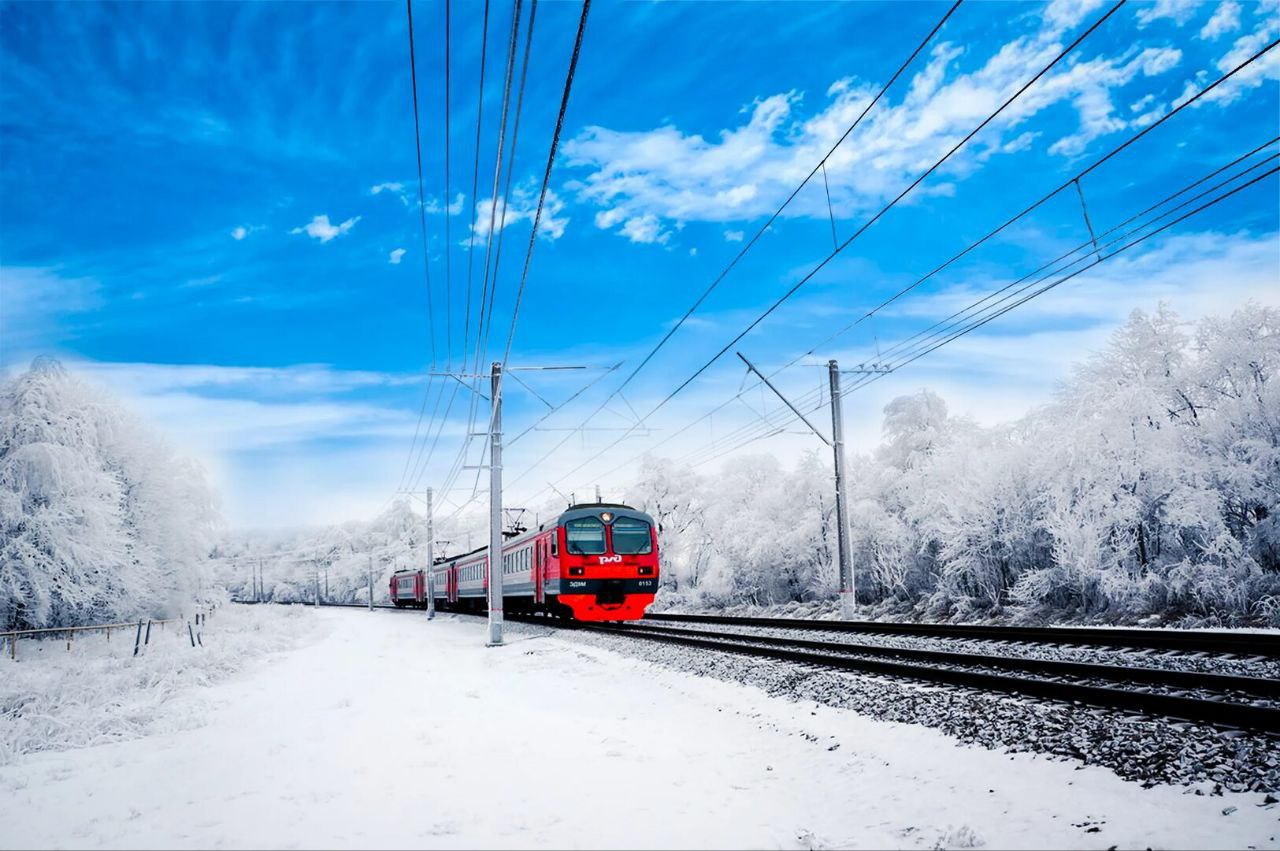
(850, 657)
(1217, 712)
(1258, 686)
(1204, 641)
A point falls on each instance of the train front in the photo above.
(608, 562)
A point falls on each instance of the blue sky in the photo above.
(211, 208)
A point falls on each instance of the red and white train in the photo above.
(593, 562)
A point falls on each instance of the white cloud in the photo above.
(38, 306)
(1062, 15)
(521, 207)
(1225, 19)
(435, 208)
(644, 229)
(733, 236)
(270, 435)
(397, 188)
(1190, 271)
(395, 256)
(239, 232)
(320, 228)
(1179, 11)
(746, 170)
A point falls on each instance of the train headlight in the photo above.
(606, 516)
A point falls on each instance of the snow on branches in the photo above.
(1150, 486)
(99, 520)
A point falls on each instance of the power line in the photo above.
(422, 219)
(564, 101)
(996, 311)
(751, 242)
(972, 246)
(475, 180)
(546, 177)
(511, 164)
(422, 206)
(448, 200)
(807, 277)
(744, 431)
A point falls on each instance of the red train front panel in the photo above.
(605, 562)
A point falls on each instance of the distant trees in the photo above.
(1149, 486)
(338, 558)
(99, 520)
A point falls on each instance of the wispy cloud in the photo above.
(395, 256)
(1226, 18)
(320, 229)
(522, 207)
(744, 172)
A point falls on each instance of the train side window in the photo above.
(555, 545)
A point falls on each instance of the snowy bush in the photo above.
(54, 699)
(99, 520)
(1150, 485)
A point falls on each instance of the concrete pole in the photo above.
(431, 556)
(848, 596)
(495, 509)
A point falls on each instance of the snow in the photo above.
(387, 730)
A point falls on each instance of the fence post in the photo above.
(147, 639)
(191, 634)
(13, 648)
(137, 639)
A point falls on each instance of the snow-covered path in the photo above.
(392, 731)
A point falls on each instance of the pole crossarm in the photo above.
(778, 393)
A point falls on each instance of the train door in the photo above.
(451, 584)
(539, 571)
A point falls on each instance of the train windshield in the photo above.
(584, 536)
(631, 536)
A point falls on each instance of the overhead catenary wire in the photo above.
(546, 177)
(568, 87)
(714, 449)
(422, 205)
(1203, 92)
(996, 311)
(422, 220)
(863, 228)
(755, 238)
(475, 184)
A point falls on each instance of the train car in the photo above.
(593, 562)
(408, 588)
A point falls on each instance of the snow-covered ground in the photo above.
(386, 730)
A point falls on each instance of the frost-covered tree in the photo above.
(99, 520)
(1149, 486)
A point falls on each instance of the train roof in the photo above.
(581, 509)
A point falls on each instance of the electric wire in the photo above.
(754, 239)
(808, 276)
(974, 245)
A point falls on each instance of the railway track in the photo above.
(1224, 700)
(1190, 641)
(1218, 699)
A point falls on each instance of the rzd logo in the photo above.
(611, 559)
